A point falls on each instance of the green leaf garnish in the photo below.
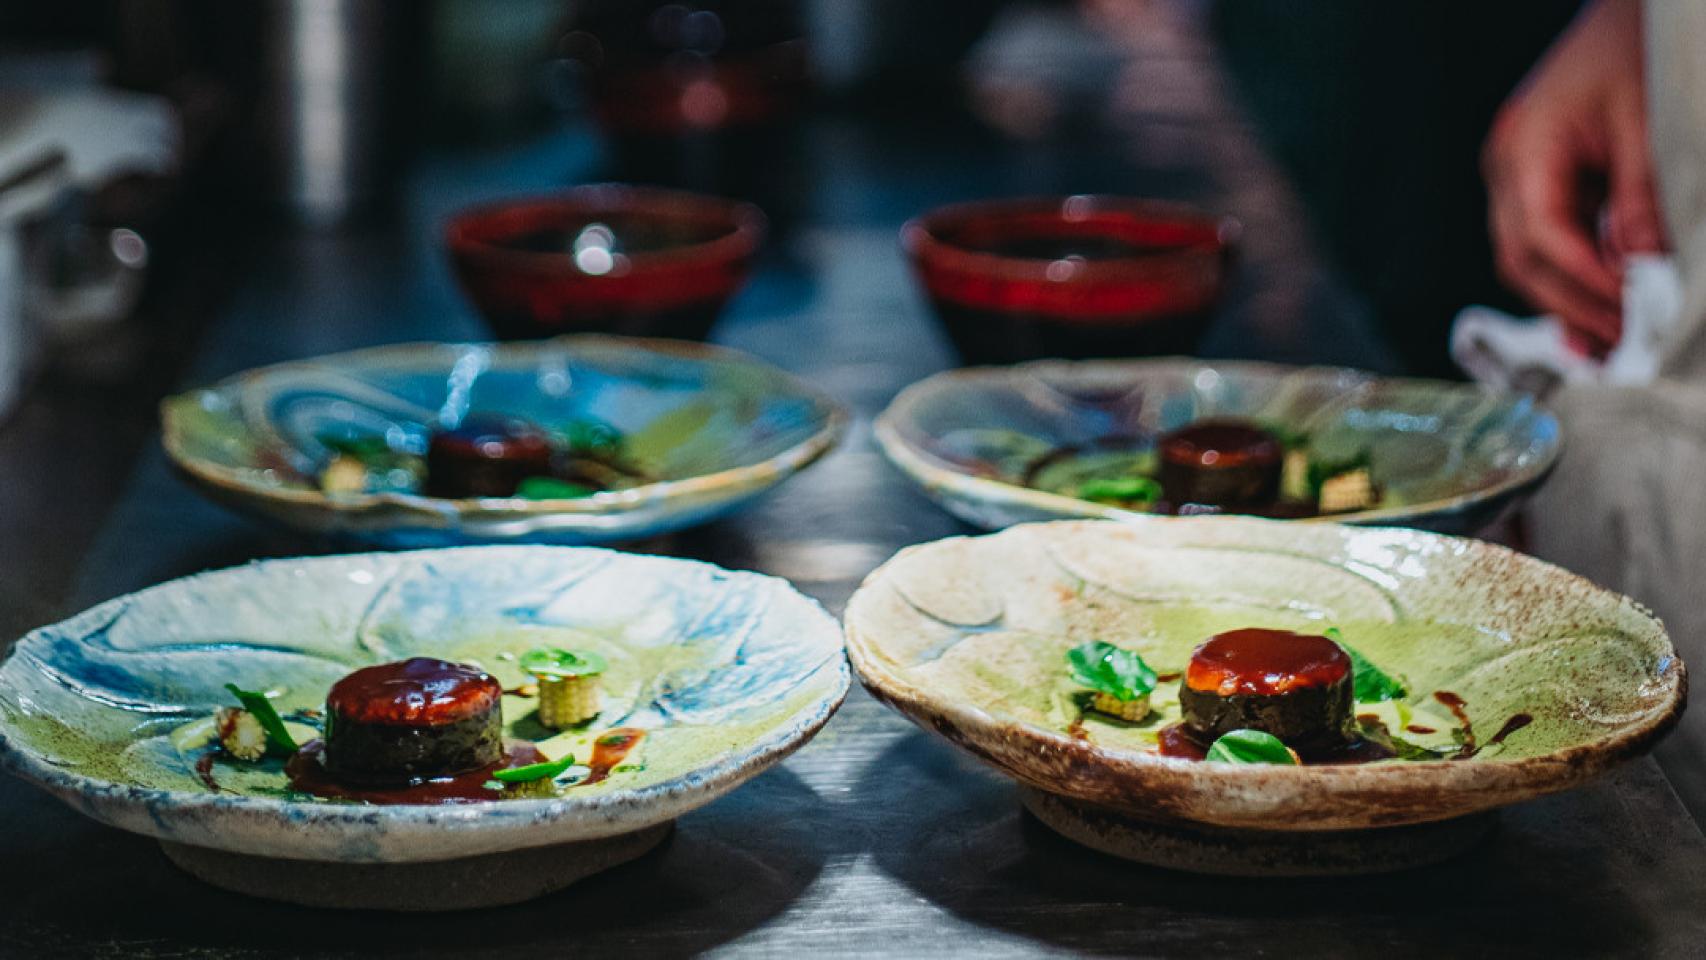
(555, 663)
(1127, 489)
(1108, 669)
(550, 488)
(593, 436)
(534, 771)
(1251, 746)
(493, 785)
(1370, 684)
(365, 447)
(278, 738)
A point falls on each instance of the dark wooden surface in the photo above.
(876, 839)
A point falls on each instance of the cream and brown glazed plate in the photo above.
(967, 636)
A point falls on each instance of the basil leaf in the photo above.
(534, 771)
(555, 663)
(278, 738)
(550, 488)
(1127, 489)
(1107, 669)
(1370, 684)
(1251, 746)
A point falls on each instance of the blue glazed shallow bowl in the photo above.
(1449, 456)
(726, 672)
(718, 428)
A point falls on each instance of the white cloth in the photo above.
(1532, 355)
(1627, 506)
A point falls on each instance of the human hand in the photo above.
(1570, 178)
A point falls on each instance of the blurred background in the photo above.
(190, 187)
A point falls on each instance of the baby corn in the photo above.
(567, 701)
(1130, 711)
(1351, 490)
(241, 734)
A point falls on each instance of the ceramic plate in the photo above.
(728, 672)
(967, 637)
(717, 427)
(1450, 456)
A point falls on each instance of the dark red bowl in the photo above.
(615, 259)
(1081, 276)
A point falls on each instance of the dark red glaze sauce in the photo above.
(420, 692)
(608, 752)
(1220, 443)
(1454, 703)
(1515, 723)
(1256, 661)
(308, 774)
(204, 770)
(1177, 740)
(1418, 728)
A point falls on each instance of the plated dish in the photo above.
(581, 439)
(442, 707)
(1230, 681)
(1114, 439)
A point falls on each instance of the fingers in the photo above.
(1632, 214)
(1544, 249)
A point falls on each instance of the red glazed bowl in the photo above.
(1080, 276)
(636, 261)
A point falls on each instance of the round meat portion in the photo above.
(413, 720)
(1220, 463)
(1296, 687)
(485, 457)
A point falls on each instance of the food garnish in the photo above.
(535, 771)
(260, 709)
(1251, 746)
(1119, 679)
(569, 683)
(1121, 491)
(1371, 684)
(240, 734)
(550, 488)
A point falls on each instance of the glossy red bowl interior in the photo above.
(616, 259)
(1079, 276)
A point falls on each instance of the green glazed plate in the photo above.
(968, 636)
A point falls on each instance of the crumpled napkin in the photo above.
(1533, 355)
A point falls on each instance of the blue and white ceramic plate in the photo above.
(725, 672)
(715, 427)
(1448, 456)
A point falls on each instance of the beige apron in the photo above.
(1627, 504)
